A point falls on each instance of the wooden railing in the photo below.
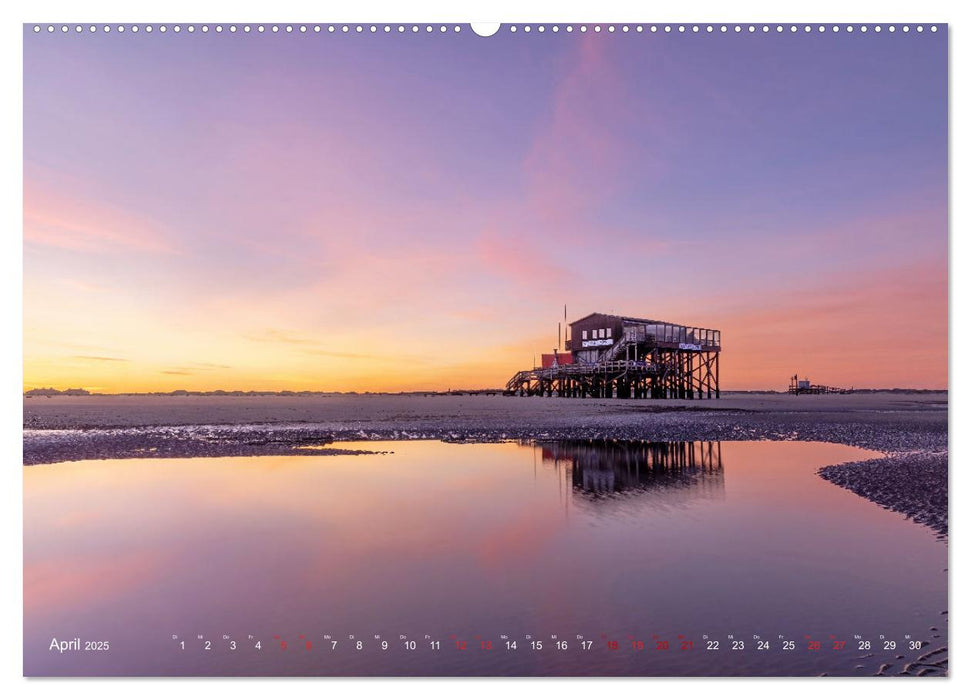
(577, 370)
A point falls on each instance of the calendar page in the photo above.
(546, 349)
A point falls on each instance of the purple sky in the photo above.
(312, 211)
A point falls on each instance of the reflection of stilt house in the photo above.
(611, 356)
(609, 466)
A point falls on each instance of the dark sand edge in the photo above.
(913, 484)
(184, 441)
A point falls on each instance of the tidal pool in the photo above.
(546, 558)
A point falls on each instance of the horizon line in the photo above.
(50, 391)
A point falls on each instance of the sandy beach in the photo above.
(911, 429)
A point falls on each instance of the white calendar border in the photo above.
(926, 11)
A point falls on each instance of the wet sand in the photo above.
(913, 483)
(910, 428)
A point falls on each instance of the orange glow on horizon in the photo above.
(272, 237)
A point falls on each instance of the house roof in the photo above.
(633, 319)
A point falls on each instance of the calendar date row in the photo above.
(580, 643)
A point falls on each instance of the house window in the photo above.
(584, 335)
(610, 332)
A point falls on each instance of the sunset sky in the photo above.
(398, 212)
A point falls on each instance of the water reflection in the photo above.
(603, 468)
(564, 537)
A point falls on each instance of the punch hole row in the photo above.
(253, 28)
(718, 28)
(450, 29)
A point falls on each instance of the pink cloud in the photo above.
(57, 213)
(519, 259)
(575, 160)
